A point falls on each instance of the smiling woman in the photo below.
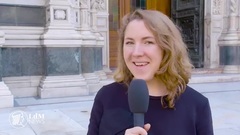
(151, 48)
(141, 52)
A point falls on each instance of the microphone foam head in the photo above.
(138, 96)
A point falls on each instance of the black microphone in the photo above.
(138, 100)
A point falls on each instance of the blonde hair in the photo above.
(175, 68)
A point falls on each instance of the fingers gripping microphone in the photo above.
(138, 100)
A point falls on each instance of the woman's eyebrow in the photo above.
(148, 37)
(129, 38)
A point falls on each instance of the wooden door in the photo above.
(161, 5)
(118, 8)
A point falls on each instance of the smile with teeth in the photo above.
(140, 63)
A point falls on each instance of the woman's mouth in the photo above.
(140, 63)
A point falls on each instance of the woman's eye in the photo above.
(149, 42)
(129, 43)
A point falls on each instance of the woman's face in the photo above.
(141, 53)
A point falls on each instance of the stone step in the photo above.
(207, 71)
(205, 75)
(214, 77)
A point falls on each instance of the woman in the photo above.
(151, 48)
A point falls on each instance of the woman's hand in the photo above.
(138, 130)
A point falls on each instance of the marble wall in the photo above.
(47, 46)
(230, 55)
(229, 47)
(50, 61)
(91, 58)
(61, 61)
(0, 64)
(98, 58)
(22, 61)
(15, 15)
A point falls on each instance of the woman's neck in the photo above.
(156, 88)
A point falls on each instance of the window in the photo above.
(136, 4)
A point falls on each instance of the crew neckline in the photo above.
(156, 97)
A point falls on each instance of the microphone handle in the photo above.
(138, 119)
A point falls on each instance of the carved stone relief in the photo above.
(98, 5)
(60, 14)
(217, 7)
(232, 21)
(233, 6)
(83, 3)
(75, 2)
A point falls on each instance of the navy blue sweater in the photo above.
(111, 115)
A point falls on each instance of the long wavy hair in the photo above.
(175, 68)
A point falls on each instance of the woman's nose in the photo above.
(137, 50)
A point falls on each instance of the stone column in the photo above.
(91, 61)
(61, 43)
(91, 49)
(75, 13)
(95, 6)
(85, 28)
(98, 6)
(6, 97)
(232, 18)
(230, 41)
(213, 20)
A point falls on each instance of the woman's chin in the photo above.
(143, 78)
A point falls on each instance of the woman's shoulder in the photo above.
(115, 85)
(193, 96)
(112, 89)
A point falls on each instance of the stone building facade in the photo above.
(222, 35)
(51, 48)
(59, 48)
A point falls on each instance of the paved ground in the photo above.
(69, 116)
